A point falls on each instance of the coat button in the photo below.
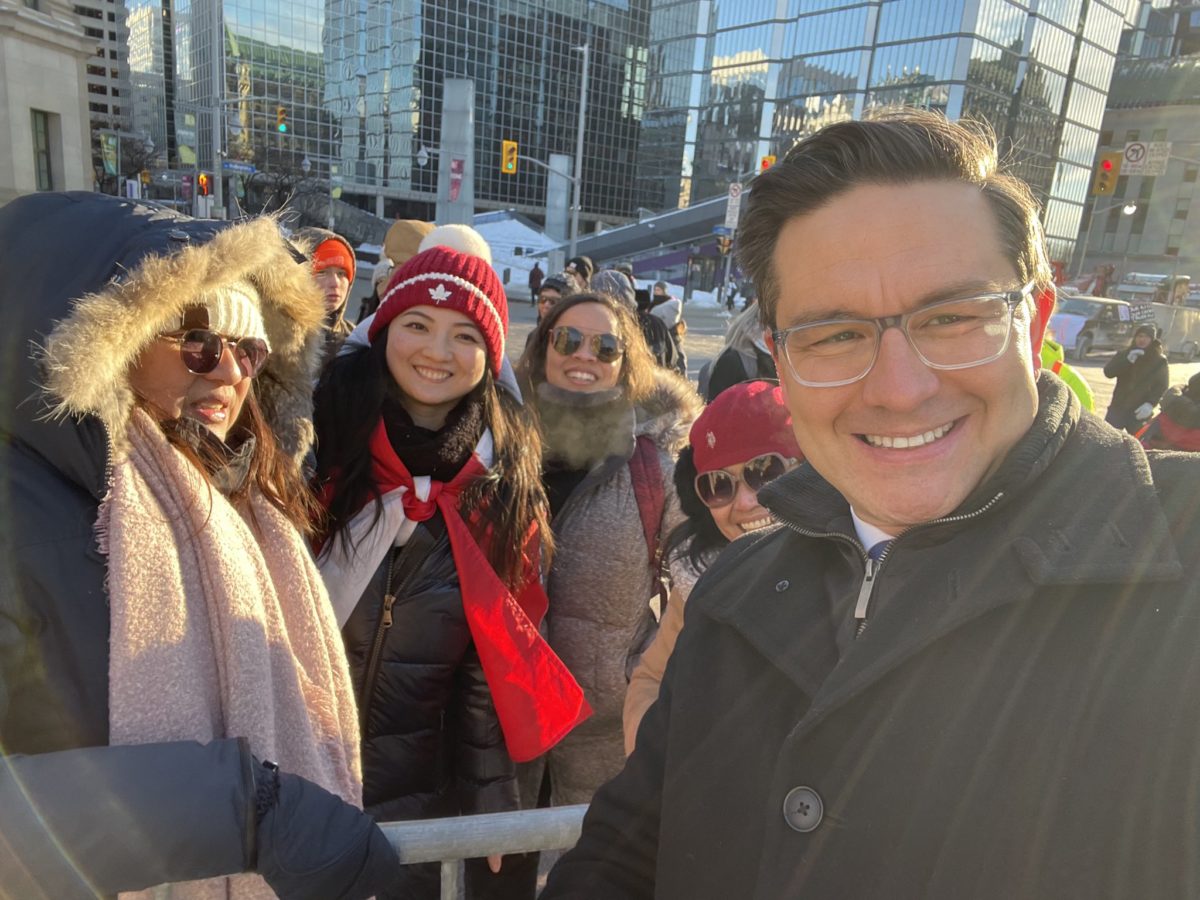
(803, 809)
(782, 586)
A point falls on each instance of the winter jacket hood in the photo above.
(133, 268)
(1182, 409)
(666, 415)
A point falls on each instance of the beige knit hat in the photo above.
(231, 310)
(404, 238)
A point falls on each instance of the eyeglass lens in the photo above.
(201, 352)
(718, 488)
(952, 334)
(566, 341)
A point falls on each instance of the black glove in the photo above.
(312, 845)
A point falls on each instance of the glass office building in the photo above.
(731, 83)
(360, 85)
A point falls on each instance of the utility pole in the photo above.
(583, 88)
(218, 113)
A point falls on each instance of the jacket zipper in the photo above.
(872, 566)
(373, 661)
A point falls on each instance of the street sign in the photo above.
(233, 165)
(1146, 158)
(722, 230)
(733, 206)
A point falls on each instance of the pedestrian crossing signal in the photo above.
(1108, 167)
(508, 157)
(202, 183)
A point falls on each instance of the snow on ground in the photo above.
(506, 234)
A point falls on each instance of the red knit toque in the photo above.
(448, 279)
(742, 422)
(334, 252)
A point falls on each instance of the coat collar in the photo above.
(1077, 507)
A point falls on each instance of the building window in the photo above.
(43, 174)
(1160, 134)
(1189, 173)
(31, 4)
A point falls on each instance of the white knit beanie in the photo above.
(233, 310)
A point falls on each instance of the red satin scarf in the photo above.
(537, 699)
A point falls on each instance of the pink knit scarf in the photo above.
(220, 627)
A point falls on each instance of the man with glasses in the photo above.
(962, 665)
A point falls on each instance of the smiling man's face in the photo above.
(880, 250)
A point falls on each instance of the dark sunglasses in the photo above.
(566, 341)
(718, 488)
(201, 351)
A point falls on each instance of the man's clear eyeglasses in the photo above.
(950, 334)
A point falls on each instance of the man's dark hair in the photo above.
(893, 147)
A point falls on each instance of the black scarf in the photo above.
(439, 454)
(227, 463)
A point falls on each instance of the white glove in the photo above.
(1143, 411)
(1135, 354)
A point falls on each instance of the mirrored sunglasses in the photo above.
(567, 340)
(201, 351)
(718, 488)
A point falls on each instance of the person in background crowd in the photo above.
(654, 330)
(436, 520)
(535, 283)
(744, 358)
(1054, 360)
(333, 267)
(626, 269)
(554, 288)
(403, 239)
(582, 268)
(981, 604)
(670, 310)
(174, 700)
(1142, 374)
(379, 279)
(1177, 427)
(739, 443)
(612, 423)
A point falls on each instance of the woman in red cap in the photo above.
(432, 543)
(742, 440)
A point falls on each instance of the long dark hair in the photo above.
(347, 407)
(698, 527)
(277, 477)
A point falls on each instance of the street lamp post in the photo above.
(1127, 208)
(583, 86)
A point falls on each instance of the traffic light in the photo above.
(1108, 167)
(508, 157)
(767, 162)
(281, 119)
(202, 182)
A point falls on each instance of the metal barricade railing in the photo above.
(450, 841)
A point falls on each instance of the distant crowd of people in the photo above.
(878, 608)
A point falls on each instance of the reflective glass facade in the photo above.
(361, 82)
(728, 85)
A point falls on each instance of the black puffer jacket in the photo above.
(432, 745)
(1143, 381)
(139, 824)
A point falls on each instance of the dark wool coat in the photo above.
(1143, 381)
(1016, 720)
(78, 817)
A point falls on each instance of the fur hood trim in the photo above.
(87, 356)
(666, 415)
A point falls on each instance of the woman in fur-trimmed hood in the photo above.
(612, 423)
(163, 630)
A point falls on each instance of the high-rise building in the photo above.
(108, 84)
(731, 83)
(357, 87)
(1152, 102)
